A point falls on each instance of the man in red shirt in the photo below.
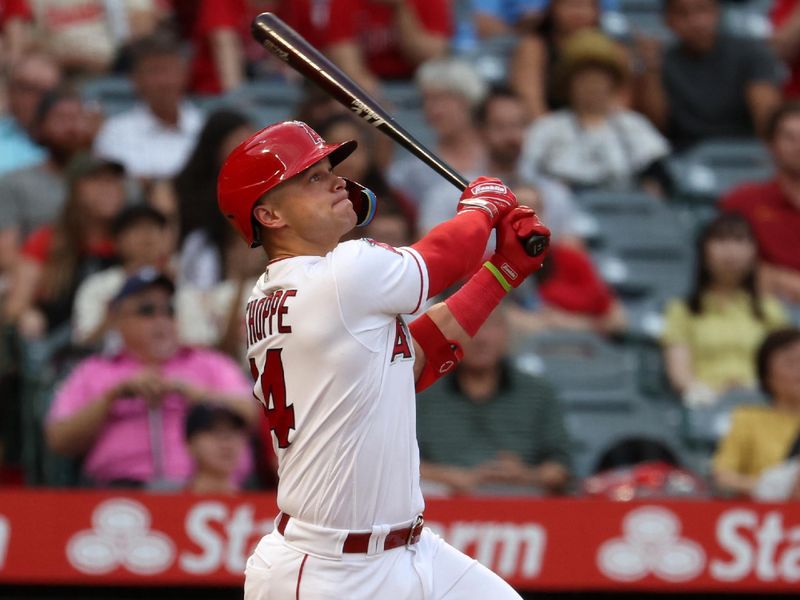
(786, 41)
(773, 207)
(386, 39)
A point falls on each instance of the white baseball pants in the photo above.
(431, 569)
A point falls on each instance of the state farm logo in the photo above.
(509, 549)
(120, 537)
(651, 544)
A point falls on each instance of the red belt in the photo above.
(358, 543)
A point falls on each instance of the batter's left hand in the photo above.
(510, 258)
(490, 195)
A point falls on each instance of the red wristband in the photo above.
(473, 303)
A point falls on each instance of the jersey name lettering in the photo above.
(266, 315)
(401, 346)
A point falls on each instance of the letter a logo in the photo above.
(401, 345)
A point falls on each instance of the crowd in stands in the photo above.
(122, 288)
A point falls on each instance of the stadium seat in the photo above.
(414, 122)
(273, 91)
(704, 426)
(640, 274)
(43, 364)
(712, 168)
(491, 57)
(115, 94)
(586, 370)
(636, 17)
(748, 20)
(631, 221)
(401, 94)
(643, 248)
(593, 432)
(266, 101)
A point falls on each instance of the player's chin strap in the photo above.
(364, 201)
(441, 355)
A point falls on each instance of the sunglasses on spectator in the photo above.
(150, 309)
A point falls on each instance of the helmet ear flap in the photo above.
(364, 201)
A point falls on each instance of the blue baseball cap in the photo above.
(141, 280)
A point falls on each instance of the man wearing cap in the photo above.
(125, 414)
(335, 366)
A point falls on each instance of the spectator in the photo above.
(710, 337)
(786, 42)
(13, 31)
(593, 143)
(488, 427)
(709, 84)
(218, 31)
(193, 193)
(386, 39)
(761, 437)
(773, 207)
(567, 292)
(312, 20)
(498, 17)
(84, 37)
(34, 196)
(29, 79)
(451, 90)
(391, 225)
(532, 70)
(141, 239)
(56, 258)
(492, 18)
(500, 119)
(214, 316)
(154, 139)
(217, 438)
(125, 414)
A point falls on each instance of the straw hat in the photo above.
(590, 48)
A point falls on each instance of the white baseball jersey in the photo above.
(333, 364)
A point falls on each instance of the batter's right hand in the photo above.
(510, 258)
(489, 195)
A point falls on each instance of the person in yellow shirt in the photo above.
(710, 337)
(761, 437)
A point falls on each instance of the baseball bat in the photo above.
(290, 47)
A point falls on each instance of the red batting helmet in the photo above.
(264, 160)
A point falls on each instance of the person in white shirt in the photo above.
(336, 367)
(594, 142)
(153, 140)
(142, 240)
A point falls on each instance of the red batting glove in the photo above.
(489, 195)
(510, 264)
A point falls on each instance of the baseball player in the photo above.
(335, 366)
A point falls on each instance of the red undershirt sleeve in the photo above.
(454, 249)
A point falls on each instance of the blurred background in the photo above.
(656, 355)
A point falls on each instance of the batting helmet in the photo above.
(272, 156)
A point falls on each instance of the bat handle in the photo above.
(535, 245)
